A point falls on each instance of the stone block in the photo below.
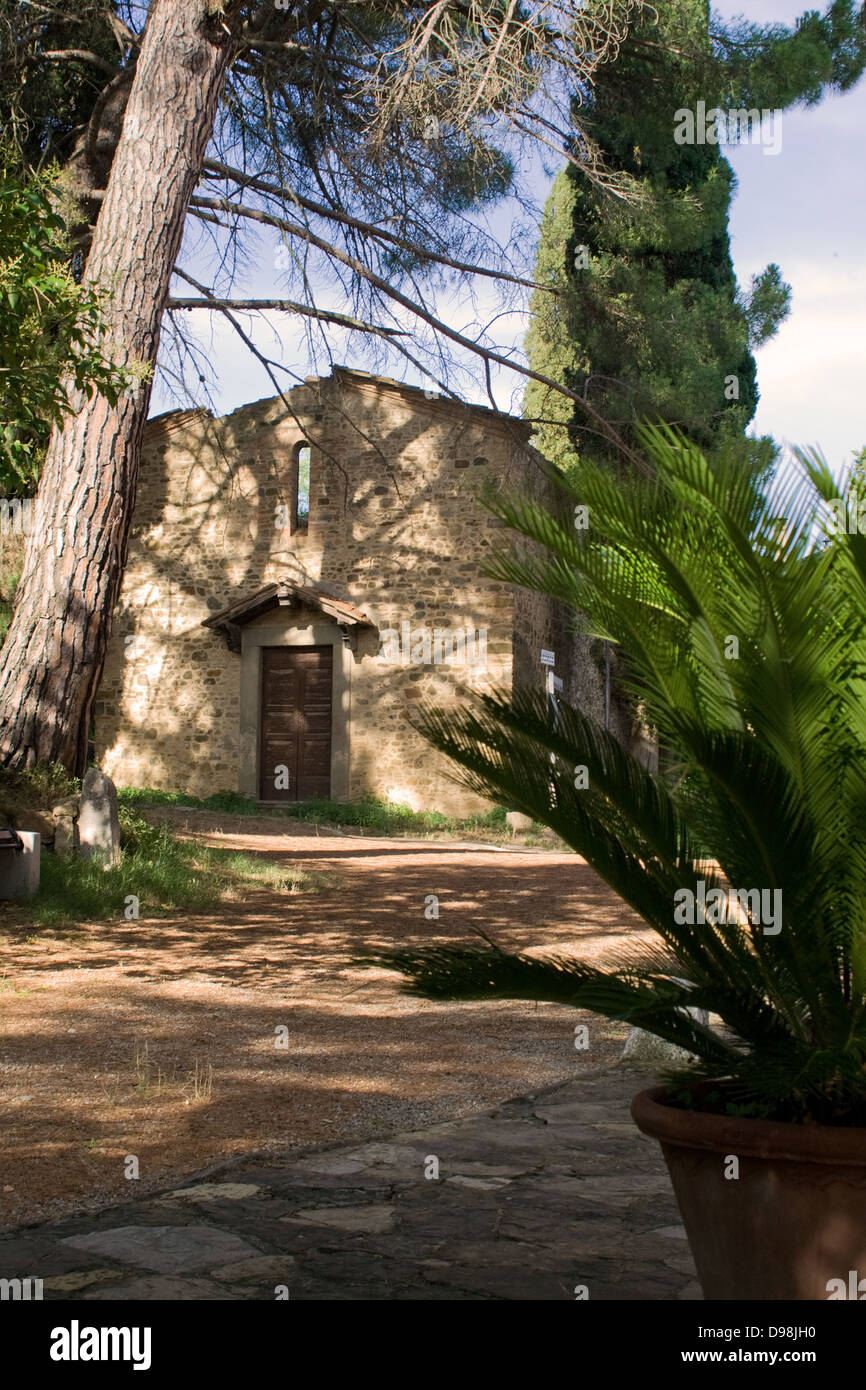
(37, 821)
(645, 1049)
(98, 820)
(166, 1249)
(65, 835)
(19, 872)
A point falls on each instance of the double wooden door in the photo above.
(295, 734)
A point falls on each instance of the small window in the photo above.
(301, 487)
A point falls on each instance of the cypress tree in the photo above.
(649, 321)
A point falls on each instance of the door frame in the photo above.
(266, 632)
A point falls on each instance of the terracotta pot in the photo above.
(792, 1221)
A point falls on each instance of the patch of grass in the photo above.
(7, 984)
(162, 872)
(369, 814)
(242, 869)
(148, 1081)
(391, 818)
(231, 802)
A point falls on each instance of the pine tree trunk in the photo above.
(54, 651)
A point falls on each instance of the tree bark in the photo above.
(54, 651)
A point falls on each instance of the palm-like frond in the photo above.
(741, 624)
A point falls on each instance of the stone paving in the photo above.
(533, 1200)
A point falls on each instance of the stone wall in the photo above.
(396, 527)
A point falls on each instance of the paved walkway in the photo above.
(546, 1194)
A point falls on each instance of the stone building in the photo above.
(300, 575)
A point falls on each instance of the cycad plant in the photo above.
(740, 621)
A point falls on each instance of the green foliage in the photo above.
(165, 873)
(45, 104)
(766, 780)
(776, 66)
(766, 305)
(138, 836)
(655, 327)
(858, 475)
(49, 330)
(38, 788)
(230, 802)
(367, 813)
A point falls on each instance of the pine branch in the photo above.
(74, 55)
(369, 229)
(288, 306)
(418, 310)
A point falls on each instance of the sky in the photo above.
(803, 208)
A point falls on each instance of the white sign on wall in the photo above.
(548, 658)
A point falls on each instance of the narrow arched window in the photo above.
(301, 487)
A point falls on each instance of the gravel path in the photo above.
(555, 1196)
(157, 1039)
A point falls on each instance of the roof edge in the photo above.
(172, 421)
(282, 593)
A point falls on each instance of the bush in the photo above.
(34, 789)
(741, 623)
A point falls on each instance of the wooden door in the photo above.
(295, 737)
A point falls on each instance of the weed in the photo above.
(201, 1082)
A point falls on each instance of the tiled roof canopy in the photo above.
(284, 594)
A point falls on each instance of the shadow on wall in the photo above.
(395, 527)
